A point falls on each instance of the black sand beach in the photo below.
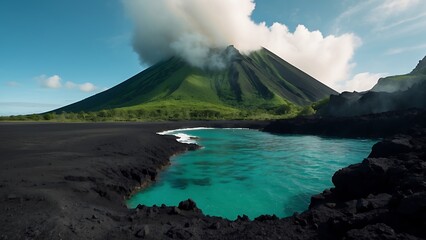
(69, 181)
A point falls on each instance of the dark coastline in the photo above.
(68, 181)
(367, 126)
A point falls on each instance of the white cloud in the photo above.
(326, 58)
(192, 28)
(361, 82)
(391, 7)
(70, 85)
(351, 11)
(383, 15)
(87, 87)
(405, 21)
(55, 82)
(398, 16)
(50, 82)
(377, 10)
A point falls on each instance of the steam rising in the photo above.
(195, 29)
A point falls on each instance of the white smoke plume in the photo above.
(193, 29)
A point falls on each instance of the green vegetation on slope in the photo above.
(257, 86)
(163, 111)
(398, 83)
(402, 82)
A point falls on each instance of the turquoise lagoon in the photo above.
(242, 171)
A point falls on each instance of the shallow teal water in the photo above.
(241, 171)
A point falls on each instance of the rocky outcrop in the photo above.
(384, 197)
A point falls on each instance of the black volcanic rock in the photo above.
(388, 190)
(188, 205)
(378, 231)
(368, 126)
(383, 197)
(263, 218)
(359, 180)
(392, 147)
(371, 102)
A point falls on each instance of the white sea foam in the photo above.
(186, 138)
(236, 128)
(182, 137)
(171, 132)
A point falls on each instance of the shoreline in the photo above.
(187, 136)
(39, 167)
(74, 188)
(149, 182)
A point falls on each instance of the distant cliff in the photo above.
(389, 94)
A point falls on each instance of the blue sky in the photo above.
(56, 52)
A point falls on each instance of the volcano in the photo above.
(255, 83)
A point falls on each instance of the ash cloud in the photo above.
(195, 29)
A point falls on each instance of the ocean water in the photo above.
(241, 171)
